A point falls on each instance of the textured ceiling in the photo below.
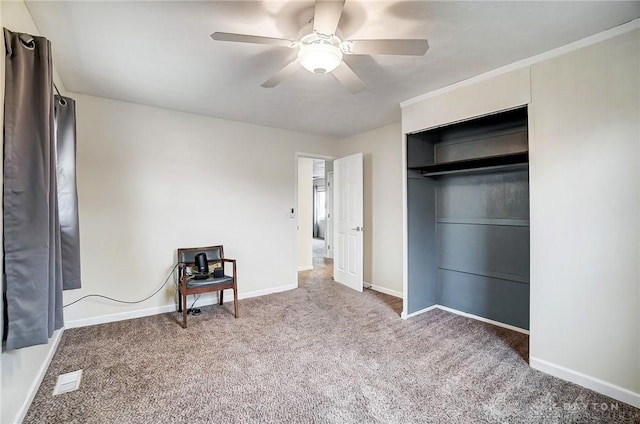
(159, 53)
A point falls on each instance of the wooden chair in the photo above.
(188, 285)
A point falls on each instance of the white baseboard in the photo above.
(122, 316)
(305, 268)
(35, 385)
(228, 294)
(465, 314)
(404, 314)
(384, 290)
(595, 384)
(487, 320)
(207, 299)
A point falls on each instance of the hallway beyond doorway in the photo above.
(320, 263)
(322, 270)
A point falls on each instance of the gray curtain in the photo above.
(65, 130)
(33, 279)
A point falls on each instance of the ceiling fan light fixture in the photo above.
(319, 58)
(320, 54)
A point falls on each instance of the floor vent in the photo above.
(68, 382)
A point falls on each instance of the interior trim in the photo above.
(468, 315)
(404, 315)
(595, 384)
(381, 289)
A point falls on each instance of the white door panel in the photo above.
(348, 231)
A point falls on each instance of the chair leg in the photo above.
(235, 300)
(184, 310)
(221, 296)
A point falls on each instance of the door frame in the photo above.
(328, 237)
(299, 155)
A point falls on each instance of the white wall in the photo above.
(585, 207)
(152, 180)
(21, 370)
(382, 204)
(584, 197)
(305, 214)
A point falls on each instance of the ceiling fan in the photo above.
(321, 47)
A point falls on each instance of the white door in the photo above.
(328, 236)
(348, 220)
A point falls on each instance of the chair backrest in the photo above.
(187, 255)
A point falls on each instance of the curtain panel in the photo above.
(33, 247)
(65, 132)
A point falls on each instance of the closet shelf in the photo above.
(511, 160)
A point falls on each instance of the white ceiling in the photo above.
(159, 53)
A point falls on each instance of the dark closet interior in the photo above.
(468, 217)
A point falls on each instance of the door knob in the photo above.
(356, 229)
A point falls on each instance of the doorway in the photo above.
(314, 207)
(344, 239)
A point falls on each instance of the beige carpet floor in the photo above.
(319, 354)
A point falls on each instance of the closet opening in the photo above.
(468, 219)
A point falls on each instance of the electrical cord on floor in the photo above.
(197, 310)
(176, 293)
(195, 300)
(176, 296)
(126, 301)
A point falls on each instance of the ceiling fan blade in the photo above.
(327, 15)
(348, 78)
(282, 74)
(395, 47)
(254, 39)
